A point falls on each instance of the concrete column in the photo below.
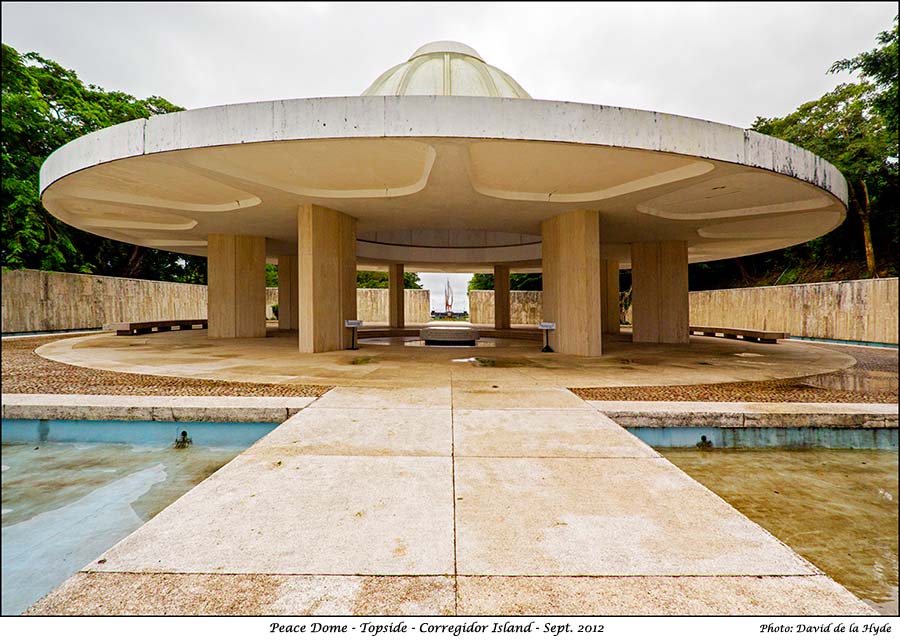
(659, 294)
(501, 297)
(327, 278)
(396, 297)
(236, 276)
(571, 273)
(609, 295)
(288, 300)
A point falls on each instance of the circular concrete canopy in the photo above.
(442, 182)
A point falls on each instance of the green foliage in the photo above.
(854, 127)
(44, 107)
(411, 281)
(481, 282)
(275, 311)
(380, 280)
(879, 67)
(271, 275)
(517, 282)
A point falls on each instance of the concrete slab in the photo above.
(658, 596)
(265, 513)
(582, 517)
(165, 408)
(479, 395)
(512, 433)
(154, 594)
(748, 414)
(386, 398)
(276, 359)
(364, 432)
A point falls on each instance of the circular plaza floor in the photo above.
(394, 361)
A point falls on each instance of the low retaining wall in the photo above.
(52, 301)
(859, 310)
(525, 307)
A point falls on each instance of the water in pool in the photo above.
(837, 508)
(65, 503)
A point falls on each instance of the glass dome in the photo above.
(446, 68)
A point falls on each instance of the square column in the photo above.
(327, 278)
(396, 300)
(288, 300)
(571, 272)
(501, 297)
(236, 273)
(660, 303)
(609, 295)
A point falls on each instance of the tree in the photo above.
(840, 128)
(855, 128)
(879, 67)
(44, 107)
(380, 280)
(517, 282)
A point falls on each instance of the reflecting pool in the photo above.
(836, 508)
(64, 503)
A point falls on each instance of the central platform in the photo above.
(449, 336)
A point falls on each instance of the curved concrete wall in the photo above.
(52, 301)
(859, 310)
(862, 310)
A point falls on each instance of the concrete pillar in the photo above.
(236, 276)
(571, 273)
(609, 295)
(659, 294)
(327, 268)
(396, 297)
(501, 297)
(288, 295)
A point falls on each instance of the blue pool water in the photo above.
(73, 489)
(205, 434)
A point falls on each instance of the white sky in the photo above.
(723, 62)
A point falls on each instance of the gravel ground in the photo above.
(25, 372)
(873, 368)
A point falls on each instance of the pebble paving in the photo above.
(23, 371)
(869, 364)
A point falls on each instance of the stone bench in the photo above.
(752, 335)
(136, 328)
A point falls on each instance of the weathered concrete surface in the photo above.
(165, 408)
(657, 595)
(525, 307)
(861, 310)
(748, 414)
(517, 363)
(495, 165)
(173, 594)
(516, 433)
(614, 517)
(50, 301)
(351, 507)
(864, 310)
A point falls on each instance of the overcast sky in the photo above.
(723, 62)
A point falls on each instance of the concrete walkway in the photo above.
(476, 497)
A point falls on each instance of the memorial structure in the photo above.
(444, 164)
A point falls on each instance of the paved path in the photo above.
(471, 498)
